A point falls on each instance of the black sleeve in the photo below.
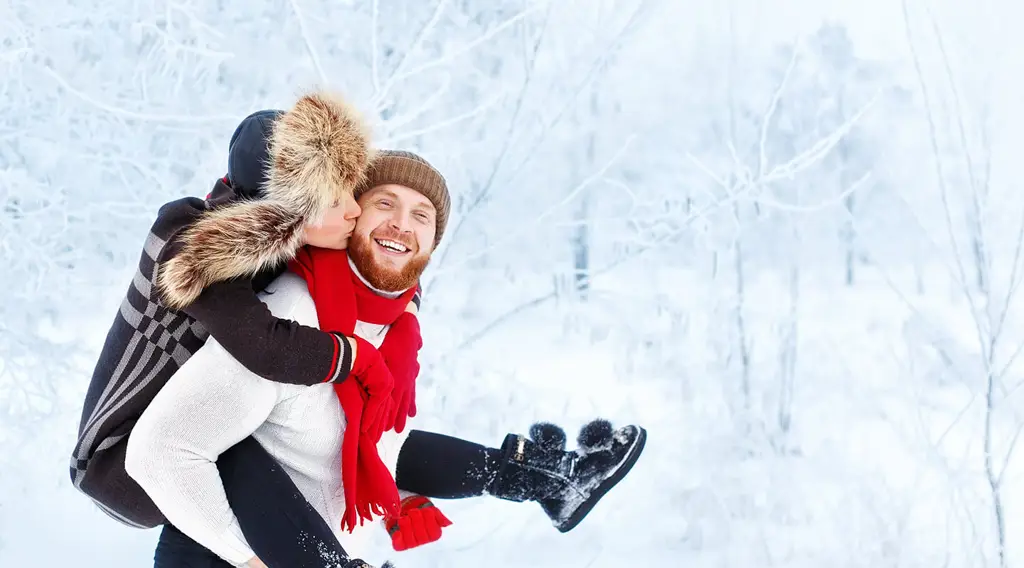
(276, 349)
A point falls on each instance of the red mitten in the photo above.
(419, 523)
(400, 349)
(373, 375)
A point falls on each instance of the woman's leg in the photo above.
(566, 484)
(176, 550)
(443, 467)
(279, 524)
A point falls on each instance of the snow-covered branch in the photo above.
(380, 95)
(308, 42)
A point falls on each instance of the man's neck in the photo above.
(391, 295)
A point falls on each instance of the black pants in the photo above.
(285, 531)
(176, 550)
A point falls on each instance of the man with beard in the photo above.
(332, 462)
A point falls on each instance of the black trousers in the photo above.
(176, 550)
(285, 531)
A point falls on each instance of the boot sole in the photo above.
(627, 464)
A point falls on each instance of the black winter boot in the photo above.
(566, 484)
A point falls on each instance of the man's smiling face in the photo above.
(394, 236)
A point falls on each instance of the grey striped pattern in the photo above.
(159, 342)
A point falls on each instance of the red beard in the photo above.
(380, 276)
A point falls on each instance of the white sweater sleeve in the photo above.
(211, 403)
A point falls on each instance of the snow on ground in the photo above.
(882, 464)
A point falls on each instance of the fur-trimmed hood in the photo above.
(318, 151)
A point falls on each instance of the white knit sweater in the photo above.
(212, 403)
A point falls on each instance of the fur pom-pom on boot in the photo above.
(566, 484)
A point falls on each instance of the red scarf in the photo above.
(341, 298)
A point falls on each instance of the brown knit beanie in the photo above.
(408, 169)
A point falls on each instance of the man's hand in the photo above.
(400, 349)
(255, 563)
(373, 375)
(419, 523)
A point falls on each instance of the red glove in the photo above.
(375, 378)
(399, 350)
(419, 523)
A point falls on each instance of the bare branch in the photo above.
(711, 174)
(444, 123)
(816, 151)
(819, 206)
(308, 41)
(124, 113)
(381, 94)
(625, 188)
(987, 345)
(426, 105)
(375, 46)
(195, 20)
(175, 46)
(469, 46)
(515, 236)
(611, 266)
(958, 107)
(947, 210)
(1009, 452)
(483, 331)
(598, 64)
(956, 419)
(506, 139)
(936, 158)
(644, 246)
(772, 107)
(1011, 360)
(740, 171)
(1014, 283)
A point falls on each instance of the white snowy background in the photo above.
(785, 236)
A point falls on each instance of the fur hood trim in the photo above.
(318, 151)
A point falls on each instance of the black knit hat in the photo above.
(247, 153)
